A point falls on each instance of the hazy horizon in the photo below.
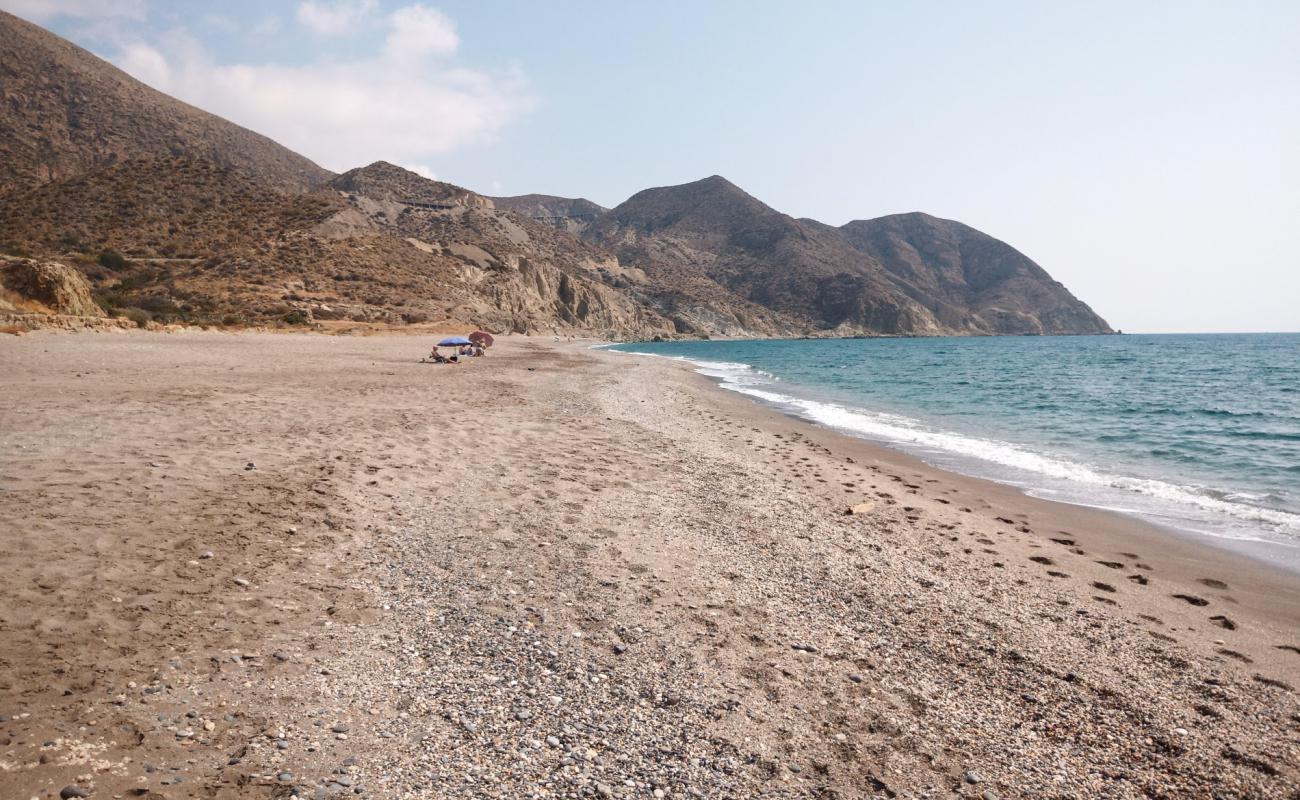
(1144, 156)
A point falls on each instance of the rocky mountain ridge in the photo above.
(211, 222)
(572, 214)
(909, 274)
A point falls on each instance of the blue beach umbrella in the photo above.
(454, 341)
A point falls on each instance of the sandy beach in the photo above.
(273, 565)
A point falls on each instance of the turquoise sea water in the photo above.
(1200, 433)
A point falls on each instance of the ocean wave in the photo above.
(1035, 472)
(901, 430)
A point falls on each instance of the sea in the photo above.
(1196, 433)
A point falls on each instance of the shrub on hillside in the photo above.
(113, 260)
(139, 316)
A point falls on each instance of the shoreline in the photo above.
(1118, 531)
(241, 565)
(1266, 552)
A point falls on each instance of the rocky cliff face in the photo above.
(528, 276)
(66, 112)
(569, 214)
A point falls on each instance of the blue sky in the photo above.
(1144, 153)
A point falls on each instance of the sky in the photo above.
(1146, 154)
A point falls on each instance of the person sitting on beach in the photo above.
(478, 350)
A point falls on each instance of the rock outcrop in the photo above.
(571, 214)
(388, 182)
(56, 287)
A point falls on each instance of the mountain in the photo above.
(171, 213)
(948, 265)
(384, 181)
(911, 274)
(66, 112)
(572, 214)
(206, 243)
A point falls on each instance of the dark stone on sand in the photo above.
(856, 678)
(340, 728)
(620, 649)
(72, 790)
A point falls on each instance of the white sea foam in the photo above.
(1202, 509)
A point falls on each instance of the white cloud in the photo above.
(400, 105)
(418, 32)
(145, 64)
(334, 19)
(46, 10)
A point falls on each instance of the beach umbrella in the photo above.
(454, 341)
(481, 338)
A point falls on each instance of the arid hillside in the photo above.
(572, 214)
(66, 112)
(182, 240)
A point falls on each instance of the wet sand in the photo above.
(248, 565)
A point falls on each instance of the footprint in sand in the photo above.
(1212, 583)
(1105, 587)
(1290, 647)
(1042, 560)
(1191, 598)
(1112, 564)
(1139, 579)
(1056, 574)
(1242, 657)
(1223, 622)
(1276, 684)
